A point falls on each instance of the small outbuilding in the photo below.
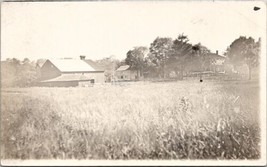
(124, 73)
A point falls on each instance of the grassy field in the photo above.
(178, 120)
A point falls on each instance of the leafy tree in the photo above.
(183, 38)
(203, 57)
(27, 74)
(150, 67)
(244, 50)
(159, 53)
(26, 61)
(8, 72)
(181, 52)
(136, 59)
(17, 73)
(110, 64)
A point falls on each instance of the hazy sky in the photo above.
(101, 29)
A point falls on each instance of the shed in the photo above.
(125, 73)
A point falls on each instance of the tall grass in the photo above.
(178, 120)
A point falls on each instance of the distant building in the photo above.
(212, 63)
(70, 72)
(124, 73)
(218, 62)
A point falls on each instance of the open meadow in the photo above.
(175, 120)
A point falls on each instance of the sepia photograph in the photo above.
(133, 83)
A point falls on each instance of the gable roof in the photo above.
(71, 65)
(93, 64)
(123, 68)
(40, 62)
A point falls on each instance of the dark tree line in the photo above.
(17, 73)
(166, 55)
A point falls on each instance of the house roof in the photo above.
(69, 77)
(71, 65)
(123, 68)
(93, 64)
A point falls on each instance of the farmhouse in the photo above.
(125, 73)
(70, 72)
(217, 65)
(211, 62)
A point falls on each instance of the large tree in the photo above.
(203, 57)
(159, 52)
(136, 59)
(244, 50)
(28, 73)
(181, 52)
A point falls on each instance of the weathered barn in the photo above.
(124, 73)
(70, 72)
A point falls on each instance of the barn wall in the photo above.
(98, 77)
(59, 84)
(85, 83)
(49, 71)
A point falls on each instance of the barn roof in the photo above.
(123, 68)
(40, 62)
(68, 77)
(71, 65)
(93, 64)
